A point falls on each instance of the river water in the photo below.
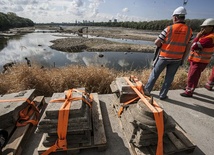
(35, 46)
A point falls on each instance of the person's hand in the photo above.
(201, 33)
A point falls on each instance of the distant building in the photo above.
(115, 21)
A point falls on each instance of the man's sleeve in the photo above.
(162, 35)
(203, 43)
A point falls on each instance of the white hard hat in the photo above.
(180, 11)
(208, 22)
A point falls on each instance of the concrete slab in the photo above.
(11, 104)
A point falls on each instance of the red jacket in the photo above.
(202, 49)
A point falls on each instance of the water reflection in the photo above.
(35, 46)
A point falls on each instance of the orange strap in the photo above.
(87, 98)
(124, 104)
(139, 87)
(25, 115)
(63, 117)
(154, 107)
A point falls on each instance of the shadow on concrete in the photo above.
(204, 110)
(196, 107)
(206, 98)
(115, 144)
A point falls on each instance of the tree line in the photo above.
(147, 25)
(11, 20)
(144, 25)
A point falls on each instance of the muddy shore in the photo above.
(74, 44)
(79, 42)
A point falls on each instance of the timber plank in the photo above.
(98, 126)
(173, 143)
(168, 146)
(178, 144)
(184, 138)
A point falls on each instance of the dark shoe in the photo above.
(146, 92)
(185, 94)
(163, 98)
(207, 87)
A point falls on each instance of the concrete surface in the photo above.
(195, 116)
(116, 143)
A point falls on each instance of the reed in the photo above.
(47, 81)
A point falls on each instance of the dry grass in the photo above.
(94, 79)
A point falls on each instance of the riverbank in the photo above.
(77, 38)
(77, 43)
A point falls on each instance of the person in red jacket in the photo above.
(210, 82)
(200, 55)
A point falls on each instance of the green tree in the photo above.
(11, 20)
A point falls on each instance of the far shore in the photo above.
(77, 43)
(80, 42)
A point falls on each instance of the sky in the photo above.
(70, 11)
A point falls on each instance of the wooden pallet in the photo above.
(19, 135)
(174, 142)
(98, 140)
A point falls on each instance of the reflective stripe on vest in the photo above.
(176, 41)
(203, 56)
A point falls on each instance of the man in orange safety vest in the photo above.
(173, 42)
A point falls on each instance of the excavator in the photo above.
(81, 29)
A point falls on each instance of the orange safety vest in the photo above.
(205, 54)
(178, 36)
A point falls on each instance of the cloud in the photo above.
(17, 8)
(44, 7)
(77, 3)
(125, 10)
(123, 63)
(122, 17)
(73, 57)
(54, 10)
(44, 11)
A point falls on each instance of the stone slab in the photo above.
(75, 110)
(9, 110)
(123, 90)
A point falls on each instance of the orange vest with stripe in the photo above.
(205, 54)
(178, 36)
